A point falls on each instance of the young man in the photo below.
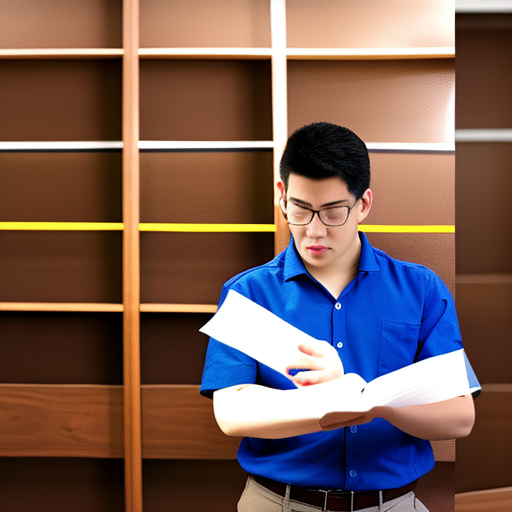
(378, 315)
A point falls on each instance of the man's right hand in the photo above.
(319, 363)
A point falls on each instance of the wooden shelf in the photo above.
(484, 135)
(105, 308)
(62, 53)
(483, 6)
(447, 52)
(174, 145)
(484, 278)
(37, 146)
(412, 147)
(206, 53)
(178, 308)
(61, 306)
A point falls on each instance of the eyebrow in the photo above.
(326, 205)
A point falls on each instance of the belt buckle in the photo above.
(326, 495)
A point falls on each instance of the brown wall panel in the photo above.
(178, 423)
(484, 220)
(412, 188)
(435, 489)
(61, 421)
(61, 485)
(60, 24)
(190, 486)
(191, 267)
(205, 100)
(486, 324)
(484, 459)
(369, 24)
(484, 74)
(434, 250)
(172, 348)
(382, 101)
(60, 187)
(61, 348)
(203, 23)
(62, 100)
(48, 266)
(207, 187)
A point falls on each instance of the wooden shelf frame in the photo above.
(62, 53)
(441, 52)
(136, 421)
(483, 135)
(483, 6)
(503, 135)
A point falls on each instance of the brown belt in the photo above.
(334, 500)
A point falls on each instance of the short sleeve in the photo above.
(440, 332)
(225, 366)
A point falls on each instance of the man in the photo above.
(378, 315)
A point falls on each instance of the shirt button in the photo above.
(353, 473)
(353, 429)
(339, 344)
(337, 306)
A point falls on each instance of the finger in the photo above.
(311, 349)
(306, 364)
(308, 378)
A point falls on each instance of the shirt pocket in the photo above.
(398, 345)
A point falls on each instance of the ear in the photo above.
(282, 191)
(366, 205)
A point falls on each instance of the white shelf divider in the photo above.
(484, 135)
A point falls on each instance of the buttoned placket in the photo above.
(339, 342)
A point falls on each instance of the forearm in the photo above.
(257, 411)
(450, 419)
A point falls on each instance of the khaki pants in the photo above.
(257, 498)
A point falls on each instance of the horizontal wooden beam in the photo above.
(178, 423)
(490, 500)
(87, 421)
(61, 421)
(61, 53)
(79, 307)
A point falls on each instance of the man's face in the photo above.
(324, 248)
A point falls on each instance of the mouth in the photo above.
(317, 250)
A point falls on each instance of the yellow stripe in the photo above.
(204, 228)
(62, 226)
(368, 228)
(208, 228)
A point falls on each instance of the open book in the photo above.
(252, 329)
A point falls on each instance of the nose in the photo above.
(316, 228)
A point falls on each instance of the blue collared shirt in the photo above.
(392, 314)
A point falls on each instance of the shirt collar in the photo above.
(367, 262)
(293, 265)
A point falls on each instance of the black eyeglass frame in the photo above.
(283, 202)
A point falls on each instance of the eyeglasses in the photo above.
(297, 215)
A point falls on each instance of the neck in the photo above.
(335, 278)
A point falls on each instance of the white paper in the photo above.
(431, 380)
(252, 329)
(262, 335)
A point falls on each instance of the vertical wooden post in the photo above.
(279, 108)
(131, 267)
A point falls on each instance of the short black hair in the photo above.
(323, 150)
